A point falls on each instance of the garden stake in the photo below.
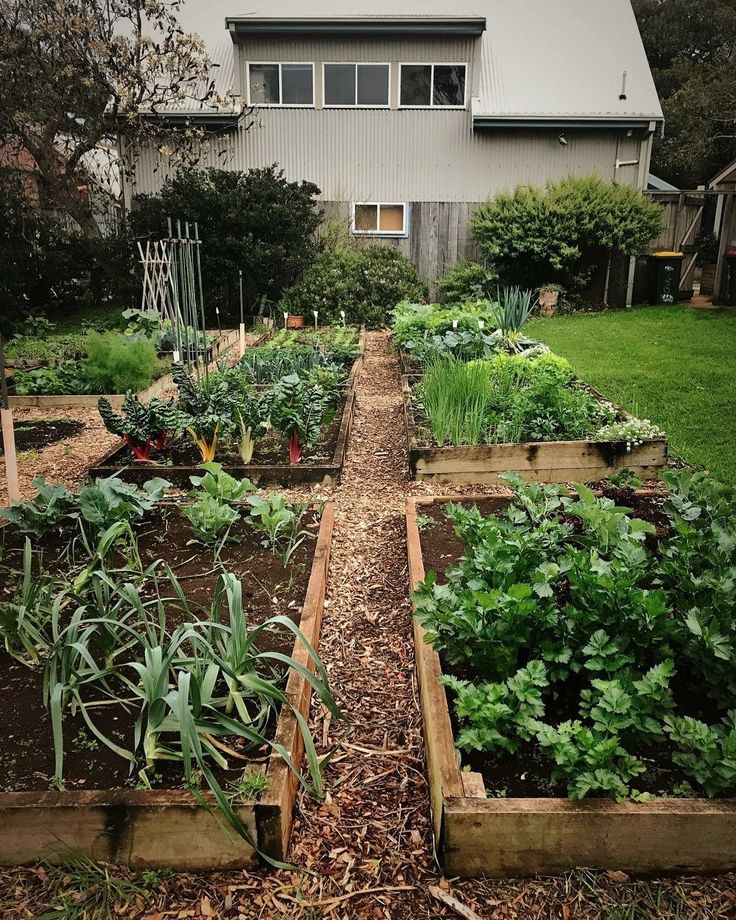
(286, 319)
(342, 314)
(242, 319)
(11, 459)
(182, 282)
(316, 314)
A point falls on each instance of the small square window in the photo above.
(281, 84)
(379, 220)
(356, 84)
(433, 85)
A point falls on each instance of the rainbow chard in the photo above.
(298, 411)
(142, 427)
(208, 405)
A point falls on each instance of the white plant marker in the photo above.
(481, 324)
(242, 339)
(316, 314)
(342, 314)
(177, 356)
(286, 318)
(454, 324)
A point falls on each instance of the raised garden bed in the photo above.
(270, 464)
(224, 343)
(164, 826)
(513, 836)
(536, 461)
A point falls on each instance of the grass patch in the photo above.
(673, 365)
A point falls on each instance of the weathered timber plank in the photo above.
(442, 768)
(522, 837)
(275, 810)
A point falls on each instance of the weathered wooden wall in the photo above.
(439, 233)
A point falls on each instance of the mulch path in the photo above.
(369, 844)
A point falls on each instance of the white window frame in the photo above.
(280, 105)
(357, 104)
(433, 64)
(396, 234)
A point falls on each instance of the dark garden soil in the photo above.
(269, 588)
(37, 435)
(368, 846)
(526, 773)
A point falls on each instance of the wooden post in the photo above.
(8, 429)
(722, 246)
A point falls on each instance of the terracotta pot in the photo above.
(294, 322)
(548, 302)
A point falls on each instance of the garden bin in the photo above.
(729, 288)
(664, 276)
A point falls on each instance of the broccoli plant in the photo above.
(298, 411)
(142, 427)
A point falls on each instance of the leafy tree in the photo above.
(692, 51)
(561, 232)
(75, 73)
(256, 221)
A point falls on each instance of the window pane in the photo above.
(296, 84)
(264, 84)
(373, 84)
(392, 218)
(416, 84)
(339, 84)
(366, 218)
(449, 84)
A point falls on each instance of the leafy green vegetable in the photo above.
(220, 485)
(43, 513)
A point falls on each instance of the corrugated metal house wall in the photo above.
(431, 159)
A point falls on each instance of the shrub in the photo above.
(117, 363)
(256, 221)
(365, 283)
(467, 280)
(560, 232)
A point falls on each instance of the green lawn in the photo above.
(673, 365)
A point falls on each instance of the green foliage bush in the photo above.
(558, 233)
(256, 221)
(116, 363)
(365, 283)
(467, 280)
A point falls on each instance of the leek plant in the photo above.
(190, 688)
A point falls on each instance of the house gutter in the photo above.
(360, 25)
(484, 122)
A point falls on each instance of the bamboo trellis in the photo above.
(172, 287)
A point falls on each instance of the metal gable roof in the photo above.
(541, 60)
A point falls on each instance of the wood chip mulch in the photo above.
(366, 851)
